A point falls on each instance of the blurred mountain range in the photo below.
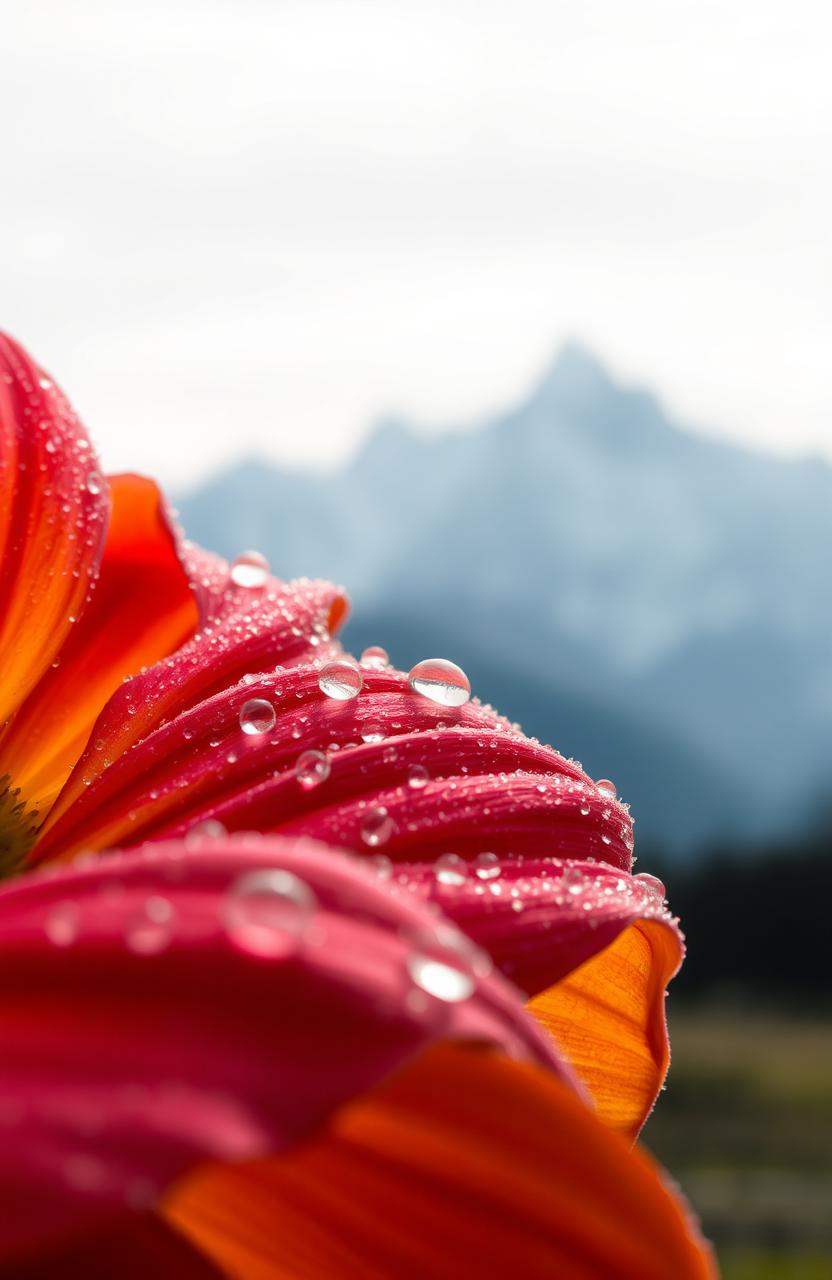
(647, 599)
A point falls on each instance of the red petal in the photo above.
(142, 609)
(143, 1029)
(490, 788)
(53, 517)
(594, 945)
(281, 623)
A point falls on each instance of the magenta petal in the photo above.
(538, 918)
(481, 785)
(151, 1016)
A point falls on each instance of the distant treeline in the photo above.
(757, 923)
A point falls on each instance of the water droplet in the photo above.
(257, 716)
(372, 733)
(151, 929)
(445, 964)
(94, 483)
(451, 869)
(440, 681)
(268, 913)
(340, 680)
(574, 880)
(653, 883)
(377, 827)
(249, 569)
(375, 657)
(584, 810)
(311, 769)
(418, 777)
(62, 924)
(381, 866)
(606, 788)
(486, 866)
(209, 829)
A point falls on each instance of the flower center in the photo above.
(18, 828)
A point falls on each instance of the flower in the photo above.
(254, 1042)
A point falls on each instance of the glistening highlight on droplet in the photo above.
(440, 681)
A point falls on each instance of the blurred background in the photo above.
(515, 319)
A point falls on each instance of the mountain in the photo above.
(650, 599)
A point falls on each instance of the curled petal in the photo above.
(278, 624)
(594, 946)
(141, 610)
(216, 1001)
(486, 785)
(464, 1164)
(54, 507)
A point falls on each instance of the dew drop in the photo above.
(653, 883)
(377, 827)
(372, 733)
(606, 788)
(381, 866)
(375, 657)
(249, 569)
(450, 869)
(94, 483)
(340, 680)
(151, 929)
(208, 829)
(574, 880)
(257, 716)
(440, 681)
(62, 924)
(486, 866)
(418, 777)
(445, 964)
(268, 913)
(311, 769)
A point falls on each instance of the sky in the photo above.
(236, 226)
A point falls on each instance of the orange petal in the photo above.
(141, 610)
(608, 1018)
(53, 517)
(463, 1164)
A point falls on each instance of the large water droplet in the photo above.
(451, 869)
(94, 483)
(377, 827)
(372, 733)
(606, 788)
(375, 657)
(440, 681)
(653, 883)
(445, 964)
(249, 569)
(268, 913)
(575, 881)
(340, 680)
(208, 829)
(311, 769)
(418, 777)
(487, 866)
(151, 928)
(257, 716)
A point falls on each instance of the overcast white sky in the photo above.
(231, 225)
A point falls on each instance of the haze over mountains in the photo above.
(651, 601)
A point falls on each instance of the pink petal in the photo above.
(148, 1022)
(488, 788)
(538, 918)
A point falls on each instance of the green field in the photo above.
(745, 1125)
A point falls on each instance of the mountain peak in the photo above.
(574, 372)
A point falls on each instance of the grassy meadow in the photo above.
(745, 1125)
